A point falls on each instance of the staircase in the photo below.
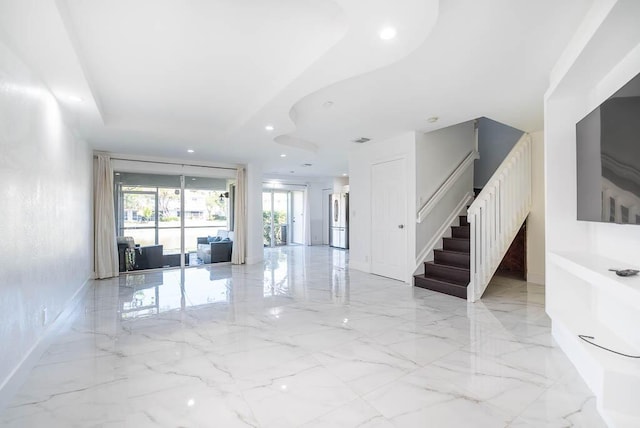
(449, 271)
(468, 260)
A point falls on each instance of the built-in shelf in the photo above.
(588, 299)
(595, 269)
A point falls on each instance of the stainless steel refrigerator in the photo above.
(339, 220)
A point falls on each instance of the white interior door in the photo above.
(388, 219)
(297, 217)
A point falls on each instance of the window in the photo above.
(151, 209)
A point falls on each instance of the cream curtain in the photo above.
(106, 250)
(240, 220)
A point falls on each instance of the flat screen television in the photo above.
(608, 159)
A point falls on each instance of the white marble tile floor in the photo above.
(301, 341)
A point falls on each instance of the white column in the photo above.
(255, 249)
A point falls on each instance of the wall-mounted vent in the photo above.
(362, 140)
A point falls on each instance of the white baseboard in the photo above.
(361, 266)
(19, 374)
(535, 277)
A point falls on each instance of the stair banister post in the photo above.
(492, 223)
(471, 290)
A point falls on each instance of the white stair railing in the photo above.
(443, 208)
(497, 214)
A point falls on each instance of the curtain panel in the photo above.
(106, 249)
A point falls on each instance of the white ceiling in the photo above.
(157, 77)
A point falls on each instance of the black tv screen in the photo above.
(608, 159)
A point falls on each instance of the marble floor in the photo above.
(301, 341)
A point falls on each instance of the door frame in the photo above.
(287, 224)
(299, 227)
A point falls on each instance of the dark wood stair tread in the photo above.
(461, 231)
(456, 268)
(452, 251)
(455, 274)
(454, 258)
(441, 286)
(449, 271)
(453, 238)
(462, 245)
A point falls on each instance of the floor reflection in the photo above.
(277, 275)
(148, 294)
(300, 340)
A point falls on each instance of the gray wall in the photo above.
(46, 227)
(495, 141)
(438, 154)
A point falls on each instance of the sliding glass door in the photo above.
(138, 216)
(147, 214)
(170, 220)
(206, 209)
(276, 218)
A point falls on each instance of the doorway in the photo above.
(275, 218)
(283, 217)
(297, 217)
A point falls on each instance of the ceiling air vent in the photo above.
(362, 140)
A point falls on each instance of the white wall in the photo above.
(326, 193)
(339, 184)
(438, 153)
(46, 247)
(581, 295)
(255, 246)
(573, 97)
(535, 221)
(317, 207)
(360, 160)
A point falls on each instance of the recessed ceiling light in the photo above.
(283, 155)
(433, 119)
(269, 128)
(328, 104)
(190, 151)
(388, 33)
